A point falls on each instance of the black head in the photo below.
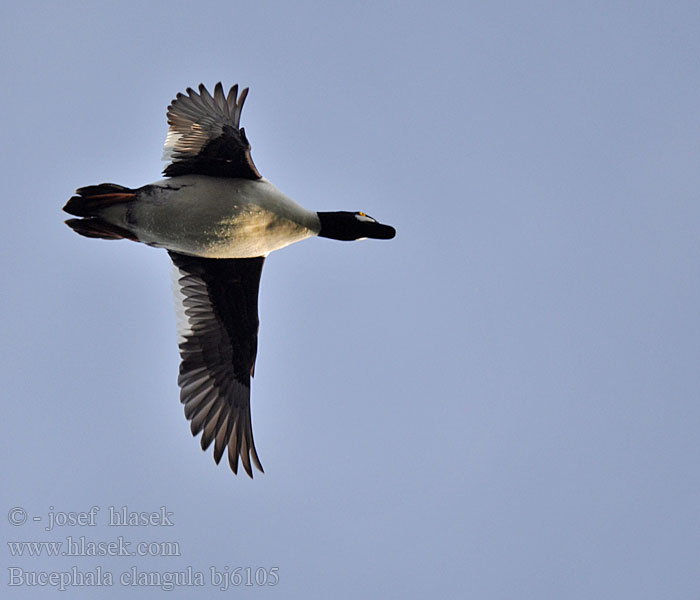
(347, 226)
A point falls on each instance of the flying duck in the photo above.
(218, 218)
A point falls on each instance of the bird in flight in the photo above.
(218, 218)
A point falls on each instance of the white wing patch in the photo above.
(171, 141)
(181, 321)
(188, 307)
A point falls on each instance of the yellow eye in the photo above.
(363, 214)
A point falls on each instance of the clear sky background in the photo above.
(502, 402)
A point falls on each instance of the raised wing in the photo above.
(217, 306)
(205, 137)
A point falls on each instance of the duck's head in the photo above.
(348, 226)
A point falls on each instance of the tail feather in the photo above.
(90, 202)
(94, 227)
(92, 198)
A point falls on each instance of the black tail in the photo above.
(91, 199)
(94, 227)
(89, 202)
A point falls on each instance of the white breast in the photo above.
(218, 218)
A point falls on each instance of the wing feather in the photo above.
(217, 307)
(205, 137)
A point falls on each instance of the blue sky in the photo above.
(501, 402)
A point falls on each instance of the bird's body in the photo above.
(241, 218)
(218, 218)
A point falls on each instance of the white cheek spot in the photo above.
(364, 218)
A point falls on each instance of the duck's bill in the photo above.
(378, 231)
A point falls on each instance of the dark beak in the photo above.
(381, 232)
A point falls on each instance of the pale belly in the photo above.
(218, 218)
